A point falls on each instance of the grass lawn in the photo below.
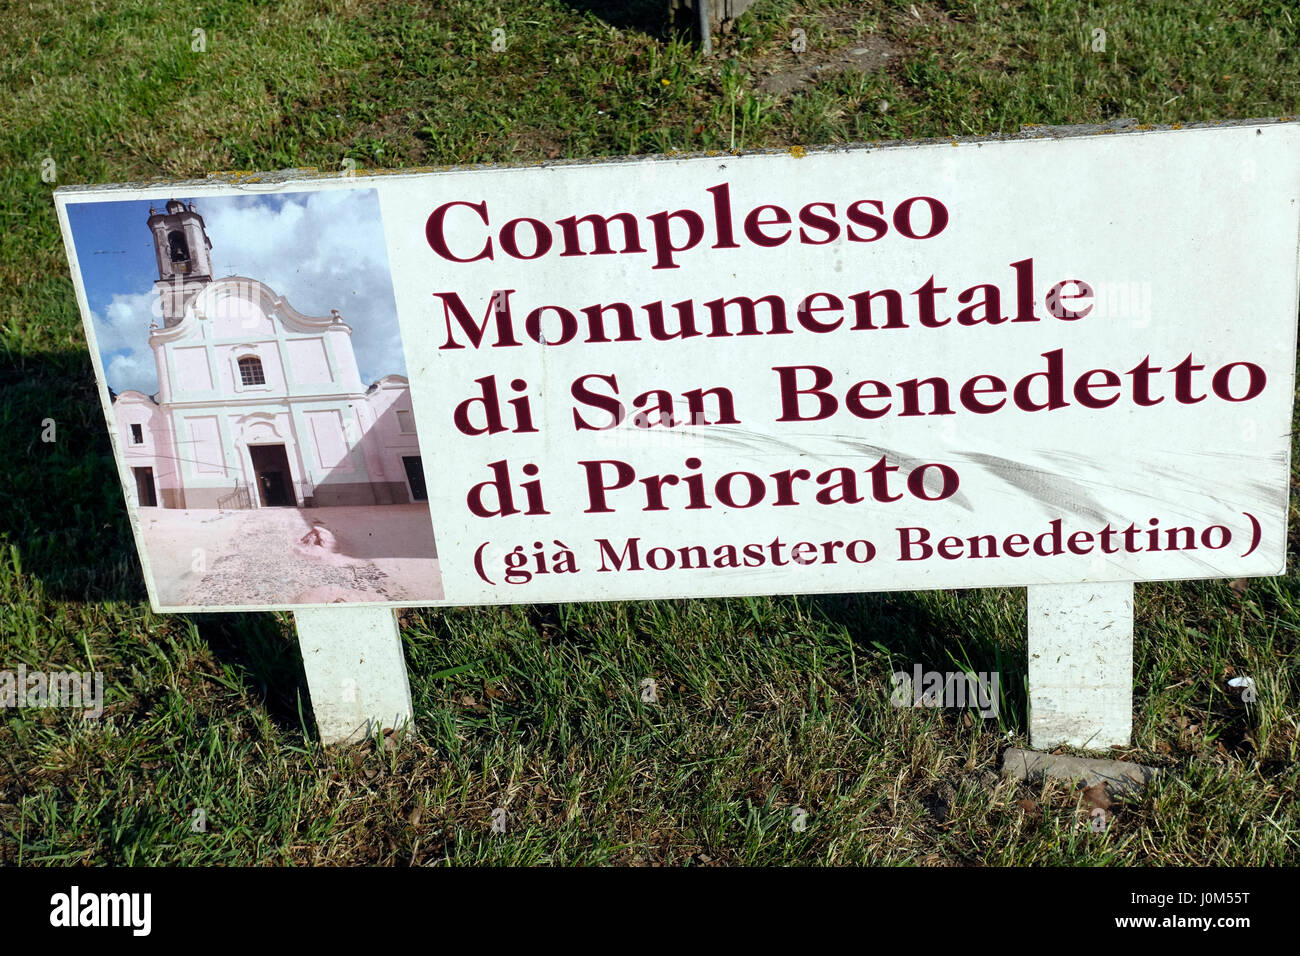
(765, 706)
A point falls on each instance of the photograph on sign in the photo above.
(833, 371)
(270, 455)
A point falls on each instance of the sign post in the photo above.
(1060, 362)
(1080, 665)
(356, 674)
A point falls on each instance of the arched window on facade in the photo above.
(250, 371)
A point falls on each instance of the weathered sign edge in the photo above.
(1029, 132)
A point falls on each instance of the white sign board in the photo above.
(1011, 362)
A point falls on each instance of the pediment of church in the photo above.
(238, 305)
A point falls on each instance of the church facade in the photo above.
(258, 405)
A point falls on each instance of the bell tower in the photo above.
(184, 254)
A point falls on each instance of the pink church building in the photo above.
(258, 405)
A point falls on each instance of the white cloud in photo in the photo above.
(321, 251)
(132, 371)
(122, 335)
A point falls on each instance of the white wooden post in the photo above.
(355, 669)
(1080, 665)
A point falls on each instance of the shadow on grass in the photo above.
(942, 631)
(650, 17)
(62, 503)
(265, 648)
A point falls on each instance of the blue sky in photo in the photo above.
(320, 251)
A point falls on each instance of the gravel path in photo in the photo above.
(268, 569)
(268, 556)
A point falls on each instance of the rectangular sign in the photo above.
(1007, 362)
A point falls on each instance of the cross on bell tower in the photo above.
(184, 253)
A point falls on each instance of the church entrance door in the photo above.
(274, 481)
